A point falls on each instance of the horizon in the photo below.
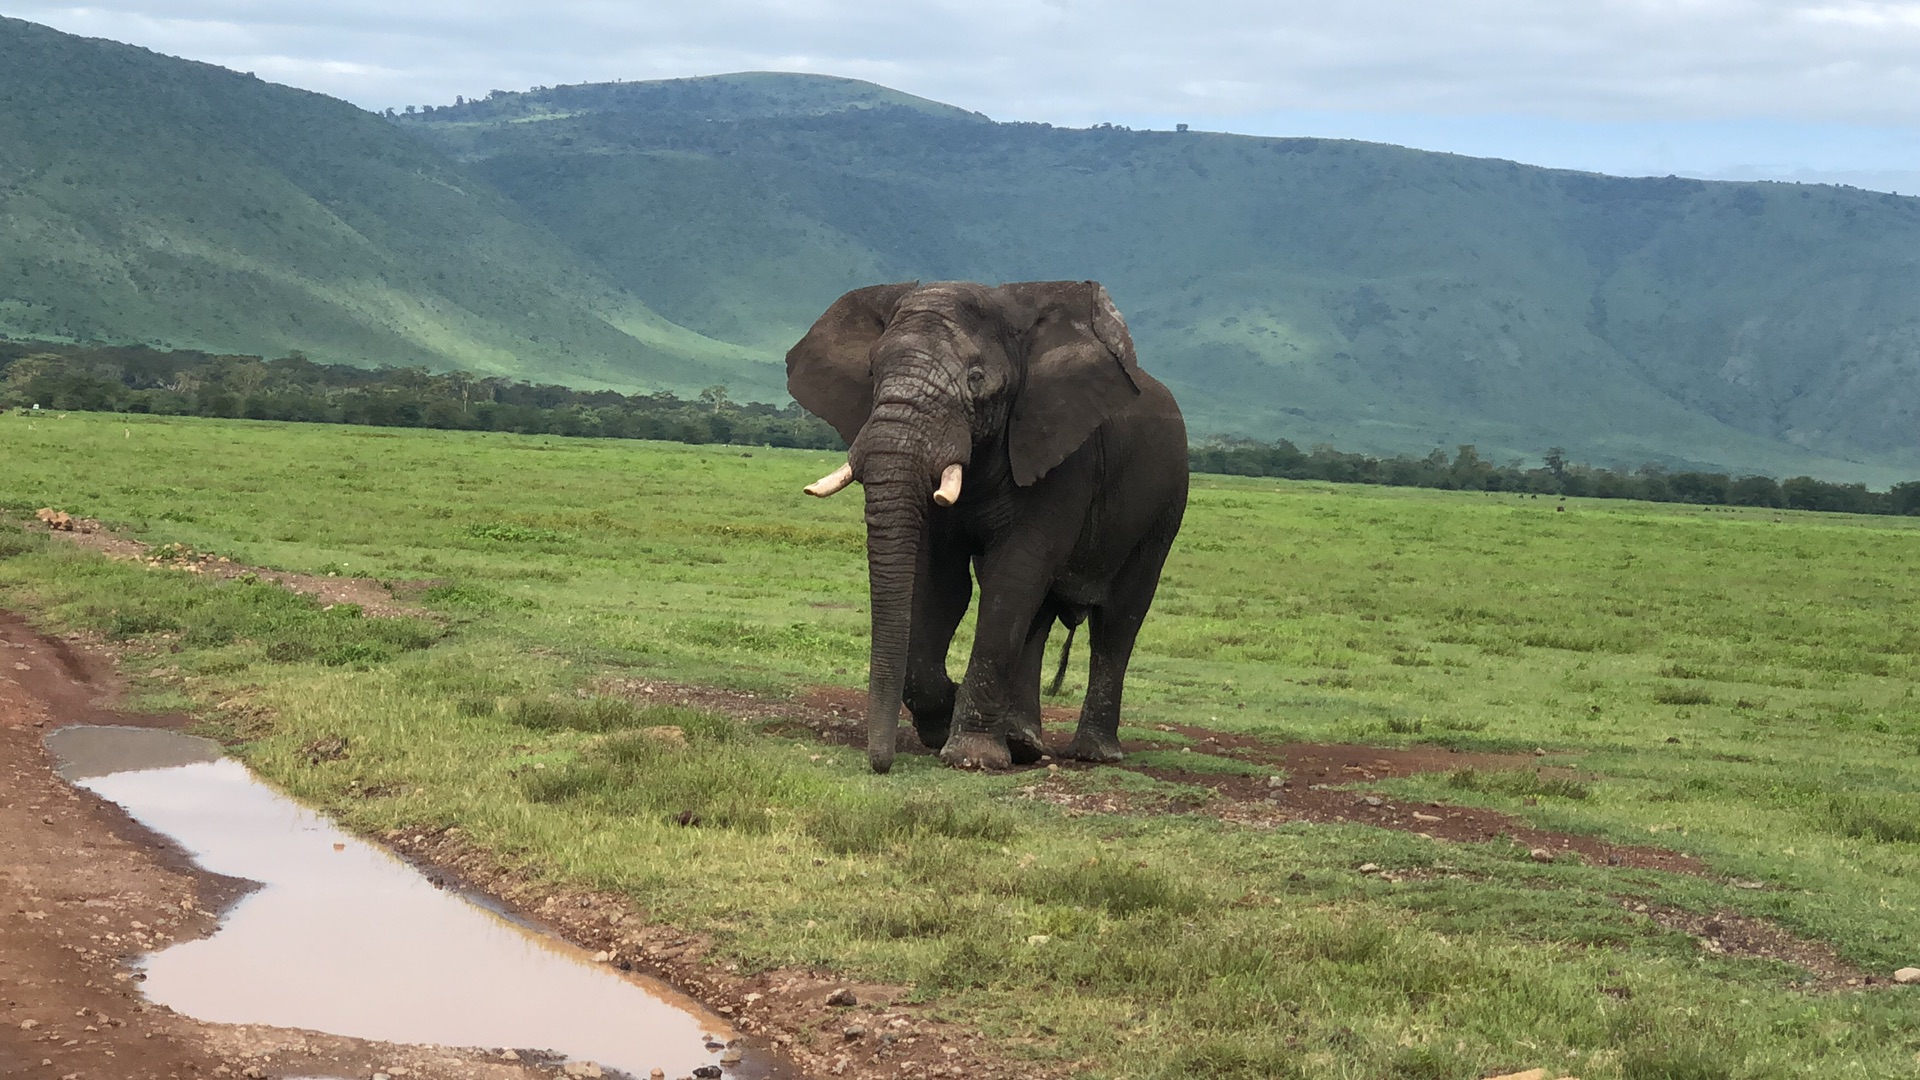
(1782, 90)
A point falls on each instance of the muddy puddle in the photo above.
(342, 937)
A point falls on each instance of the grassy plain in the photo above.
(1737, 685)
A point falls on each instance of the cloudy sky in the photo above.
(1780, 89)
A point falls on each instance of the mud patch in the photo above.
(383, 599)
(1255, 801)
(88, 891)
(343, 938)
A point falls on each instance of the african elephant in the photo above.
(1010, 429)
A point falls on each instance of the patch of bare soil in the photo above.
(382, 599)
(1257, 802)
(84, 891)
(1728, 933)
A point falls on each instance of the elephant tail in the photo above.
(1066, 650)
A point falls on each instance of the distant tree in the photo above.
(410, 110)
(1706, 489)
(1755, 491)
(1904, 498)
(1557, 463)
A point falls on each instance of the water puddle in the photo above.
(344, 938)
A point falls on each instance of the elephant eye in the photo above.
(976, 378)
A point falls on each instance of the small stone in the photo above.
(1369, 868)
(855, 1031)
(731, 1056)
(509, 1055)
(1907, 975)
(29, 1025)
(1275, 781)
(584, 1070)
(602, 957)
(843, 997)
(707, 1072)
(1374, 800)
(1418, 816)
(1541, 855)
(657, 1074)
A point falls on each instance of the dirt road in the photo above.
(84, 890)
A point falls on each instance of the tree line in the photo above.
(1466, 470)
(136, 379)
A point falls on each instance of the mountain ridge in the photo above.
(163, 201)
(1323, 290)
(677, 234)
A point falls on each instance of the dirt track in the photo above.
(84, 890)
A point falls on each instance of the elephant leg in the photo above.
(1013, 587)
(941, 593)
(1114, 625)
(1024, 733)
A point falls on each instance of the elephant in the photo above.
(1008, 430)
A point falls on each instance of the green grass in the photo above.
(1135, 944)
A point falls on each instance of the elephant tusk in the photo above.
(949, 492)
(832, 483)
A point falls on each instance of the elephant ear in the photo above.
(1081, 369)
(829, 372)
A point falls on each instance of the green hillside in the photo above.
(155, 200)
(680, 234)
(1371, 296)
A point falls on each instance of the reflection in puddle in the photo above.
(346, 939)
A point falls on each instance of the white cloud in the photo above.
(1214, 63)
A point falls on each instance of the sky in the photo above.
(1721, 89)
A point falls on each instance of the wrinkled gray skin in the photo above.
(1074, 486)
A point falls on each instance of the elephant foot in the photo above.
(976, 750)
(933, 735)
(1088, 746)
(1024, 743)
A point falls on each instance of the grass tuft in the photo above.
(1682, 695)
(1518, 783)
(1889, 819)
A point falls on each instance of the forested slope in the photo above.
(155, 200)
(1368, 295)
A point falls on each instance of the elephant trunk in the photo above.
(896, 521)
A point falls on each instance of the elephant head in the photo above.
(944, 388)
